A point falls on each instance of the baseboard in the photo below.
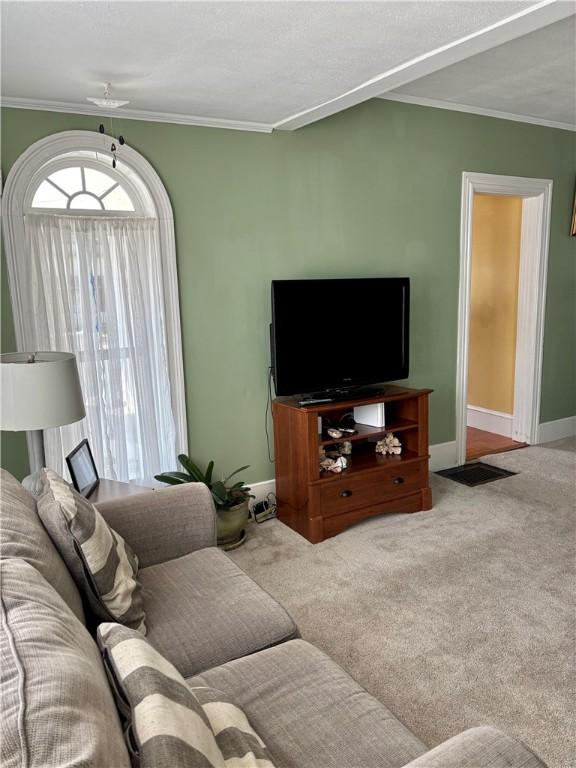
(490, 421)
(262, 489)
(557, 430)
(442, 456)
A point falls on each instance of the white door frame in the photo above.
(536, 204)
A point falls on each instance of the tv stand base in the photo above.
(317, 529)
(318, 504)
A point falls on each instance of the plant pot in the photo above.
(231, 525)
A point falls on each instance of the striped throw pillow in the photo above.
(168, 723)
(100, 561)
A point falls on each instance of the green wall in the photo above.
(372, 191)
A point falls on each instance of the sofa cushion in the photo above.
(168, 723)
(202, 610)
(103, 565)
(23, 535)
(57, 707)
(310, 713)
(481, 747)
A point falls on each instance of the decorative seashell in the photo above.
(335, 433)
(389, 444)
(328, 464)
(342, 463)
(334, 465)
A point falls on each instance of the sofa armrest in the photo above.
(164, 524)
(483, 747)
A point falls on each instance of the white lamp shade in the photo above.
(40, 394)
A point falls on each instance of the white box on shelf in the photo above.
(371, 415)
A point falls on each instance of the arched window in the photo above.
(92, 270)
(82, 187)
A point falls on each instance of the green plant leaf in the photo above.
(219, 492)
(239, 484)
(172, 478)
(209, 470)
(241, 469)
(191, 468)
(219, 488)
(184, 476)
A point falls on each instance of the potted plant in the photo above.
(231, 500)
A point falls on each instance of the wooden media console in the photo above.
(320, 504)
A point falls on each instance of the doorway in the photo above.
(495, 267)
(504, 248)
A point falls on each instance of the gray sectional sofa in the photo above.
(215, 625)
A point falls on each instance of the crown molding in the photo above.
(528, 20)
(134, 114)
(455, 107)
(519, 24)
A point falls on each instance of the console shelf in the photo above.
(364, 431)
(369, 460)
(320, 504)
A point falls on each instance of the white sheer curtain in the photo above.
(95, 288)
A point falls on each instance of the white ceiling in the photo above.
(252, 65)
(531, 77)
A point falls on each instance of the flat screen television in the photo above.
(339, 334)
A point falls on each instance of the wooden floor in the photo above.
(480, 443)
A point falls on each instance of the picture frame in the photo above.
(82, 469)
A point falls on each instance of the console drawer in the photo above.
(367, 488)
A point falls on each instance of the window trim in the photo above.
(155, 203)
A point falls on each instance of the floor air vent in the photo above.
(475, 473)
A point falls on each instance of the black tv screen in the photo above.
(339, 334)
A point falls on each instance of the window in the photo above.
(92, 270)
(81, 187)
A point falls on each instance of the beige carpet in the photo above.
(456, 617)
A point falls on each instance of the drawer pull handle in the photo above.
(345, 494)
(398, 480)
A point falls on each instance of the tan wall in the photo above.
(496, 231)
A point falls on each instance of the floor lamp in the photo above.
(37, 391)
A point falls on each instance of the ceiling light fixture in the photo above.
(107, 102)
